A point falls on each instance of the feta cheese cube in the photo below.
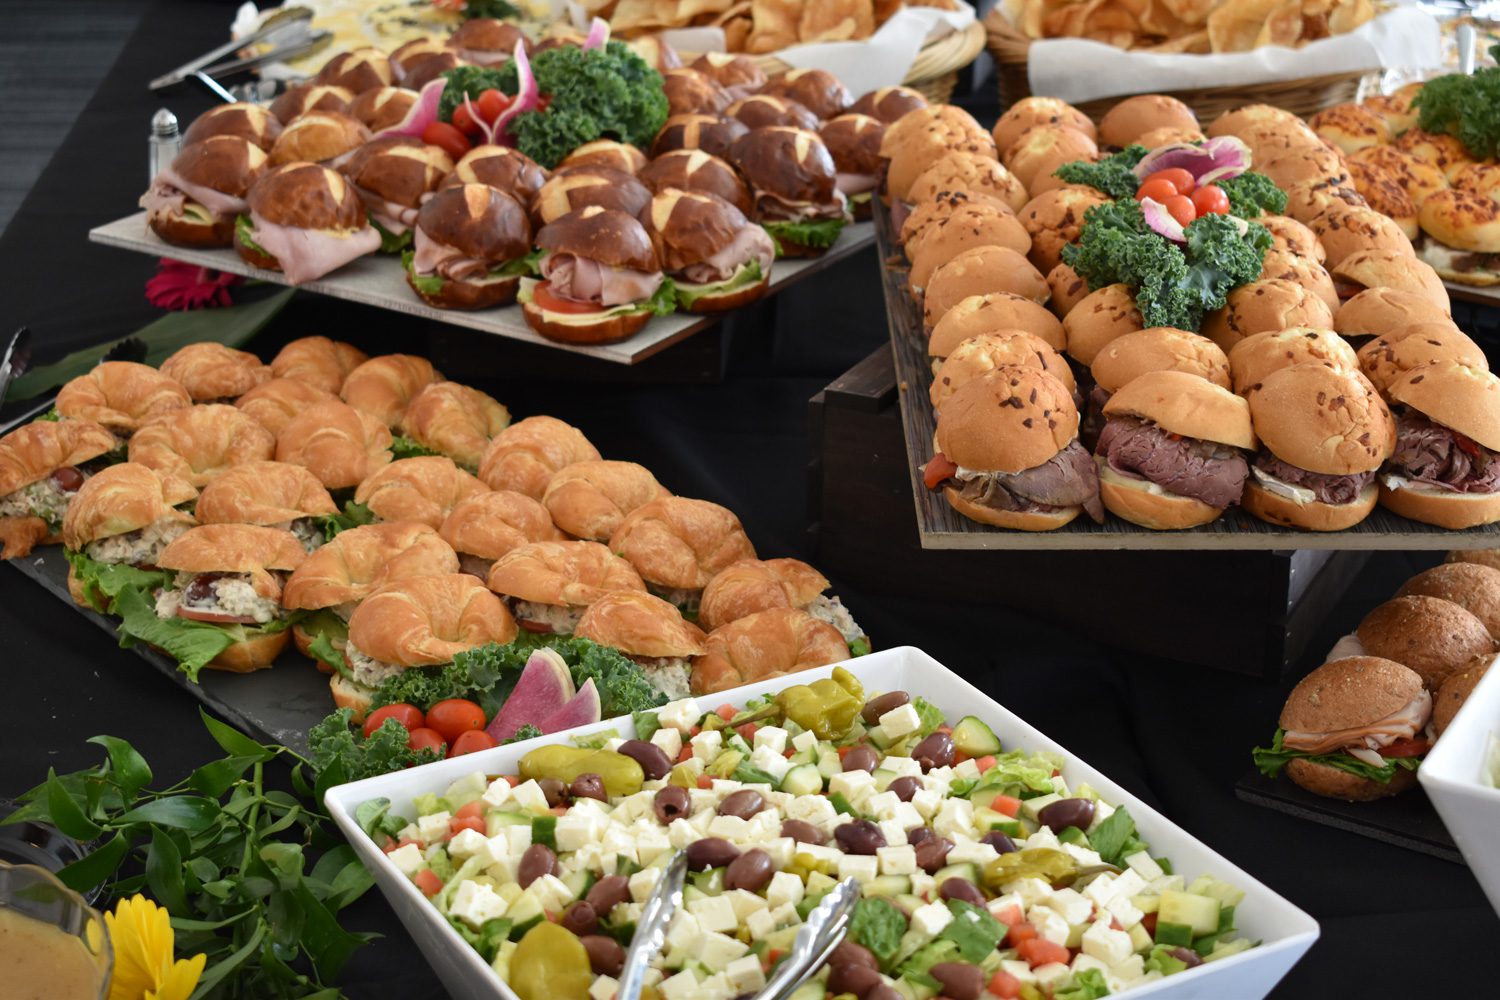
(669, 740)
(517, 839)
(968, 769)
(900, 721)
(467, 843)
(814, 809)
(900, 860)
(681, 715)
(763, 826)
(1128, 883)
(1043, 838)
(707, 744)
(745, 903)
(681, 833)
(820, 852)
(784, 889)
(1167, 883)
(1049, 924)
(715, 987)
(497, 794)
(1084, 856)
(683, 986)
(955, 816)
(529, 796)
(1102, 811)
(804, 740)
(604, 988)
(1073, 907)
(474, 903)
(782, 850)
(1101, 889)
(1018, 969)
(641, 884)
(744, 975)
(906, 816)
(882, 805)
(968, 850)
(929, 920)
(772, 738)
(503, 867)
(683, 934)
(433, 826)
(728, 827)
(785, 915)
(860, 867)
(1030, 891)
(1123, 910)
(760, 923)
(855, 786)
(651, 844)
(408, 832)
(714, 913)
(1143, 865)
(1083, 963)
(717, 950)
(894, 833)
(903, 767)
(926, 802)
(575, 829)
(408, 859)
(770, 761)
(552, 892)
(1133, 967)
(1106, 944)
(1003, 904)
(923, 884)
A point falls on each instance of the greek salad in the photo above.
(983, 873)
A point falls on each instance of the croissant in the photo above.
(753, 585)
(124, 498)
(357, 561)
(273, 404)
(678, 543)
(236, 548)
(33, 452)
(19, 535)
(454, 420)
(200, 442)
(526, 455)
(340, 445)
(383, 386)
(121, 395)
(562, 573)
(591, 499)
(428, 620)
(417, 489)
(263, 493)
(764, 645)
(490, 524)
(318, 361)
(640, 624)
(211, 371)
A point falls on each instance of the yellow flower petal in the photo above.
(145, 965)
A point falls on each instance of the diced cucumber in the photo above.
(472, 783)
(524, 913)
(459, 800)
(497, 820)
(1207, 885)
(710, 882)
(804, 779)
(810, 990)
(1075, 935)
(973, 737)
(579, 882)
(501, 964)
(883, 778)
(1223, 949)
(818, 883)
(908, 904)
(1031, 808)
(1073, 835)
(964, 870)
(1201, 913)
(808, 756)
(691, 894)
(544, 831)
(879, 738)
(887, 885)
(737, 742)
(1140, 940)
(842, 805)
(1146, 902)
(782, 940)
(1176, 935)
(830, 763)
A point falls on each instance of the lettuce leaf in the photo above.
(1087, 985)
(389, 241)
(192, 644)
(748, 274)
(242, 227)
(973, 930)
(878, 926)
(816, 233)
(1270, 761)
(112, 579)
(327, 628)
(354, 515)
(404, 447)
(1115, 837)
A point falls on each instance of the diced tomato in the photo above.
(513, 780)
(492, 104)
(694, 731)
(540, 627)
(844, 752)
(1149, 923)
(1466, 445)
(1020, 932)
(1010, 916)
(475, 823)
(428, 882)
(559, 810)
(747, 732)
(726, 711)
(789, 753)
(474, 810)
(985, 763)
(1002, 984)
(1008, 804)
(685, 754)
(448, 138)
(545, 298)
(214, 617)
(396, 845)
(959, 756)
(939, 469)
(1039, 951)
(705, 782)
(1412, 747)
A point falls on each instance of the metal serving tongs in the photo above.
(15, 360)
(280, 27)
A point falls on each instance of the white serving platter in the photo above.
(379, 281)
(1284, 930)
(1450, 774)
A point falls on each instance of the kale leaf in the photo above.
(1467, 107)
(1114, 175)
(1251, 194)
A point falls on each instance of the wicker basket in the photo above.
(934, 72)
(1303, 97)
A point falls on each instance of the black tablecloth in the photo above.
(1394, 922)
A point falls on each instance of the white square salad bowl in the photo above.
(1452, 776)
(1285, 932)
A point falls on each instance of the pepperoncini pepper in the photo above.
(828, 707)
(621, 774)
(1053, 867)
(550, 963)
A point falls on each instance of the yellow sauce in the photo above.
(40, 962)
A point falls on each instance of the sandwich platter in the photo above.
(379, 281)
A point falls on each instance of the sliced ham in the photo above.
(305, 254)
(432, 257)
(852, 184)
(169, 191)
(1400, 725)
(585, 280)
(774, 208)
(750, 243)
(393, 216)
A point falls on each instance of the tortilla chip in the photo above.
(736, 33)
(837, 21)
(1235, 26)
(690, 10)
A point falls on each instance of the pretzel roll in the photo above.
(250, 122)
(422, 489)
(263, 493)
(340, 445)
(888, 104)
(455, 420)
(428, 620)
(273, 404)
(357, 70)
(591, 499)
(526, 455)
(325, 137)
(384, 386)
(490, 524)
(236, 548)
(306, 98)
(754, 585)
(612, 153)
(121, 395)
(355, 562)
(34, 451)
(679, 543)
(713, 134)
(764, 645)
(575, 574)
(383, 107)
(690, 92)
(589, 185)
(200, 442)
(731, 70)
(320, 361)
(509, 170)
(210, 371)
(124, 498)
(640, 624)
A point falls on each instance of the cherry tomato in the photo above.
(492, 104)
(410, 717)
(938, 470)
(1211, 200)
(425, 739)
(454, 716)
(544, 297)
(464, 122)
(1180, 207)
(1157, 189)
(471, 741)
(1411, 746)
(447, 138)
(1178, 177)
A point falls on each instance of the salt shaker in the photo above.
(164, 143)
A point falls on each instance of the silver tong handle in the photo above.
(1466, 49)
(651, 929)
(819, 935)
(274, 25)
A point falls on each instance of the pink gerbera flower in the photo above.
(178, 285)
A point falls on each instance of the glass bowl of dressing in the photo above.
(53, 945)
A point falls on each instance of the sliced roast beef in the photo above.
(1438, 456)
(1068, 479)
(1092, 423)
(1202, 470)
(1326, 488)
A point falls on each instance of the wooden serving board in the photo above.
(379, 280)
(941, 527)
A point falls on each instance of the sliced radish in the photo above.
(422, 113)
